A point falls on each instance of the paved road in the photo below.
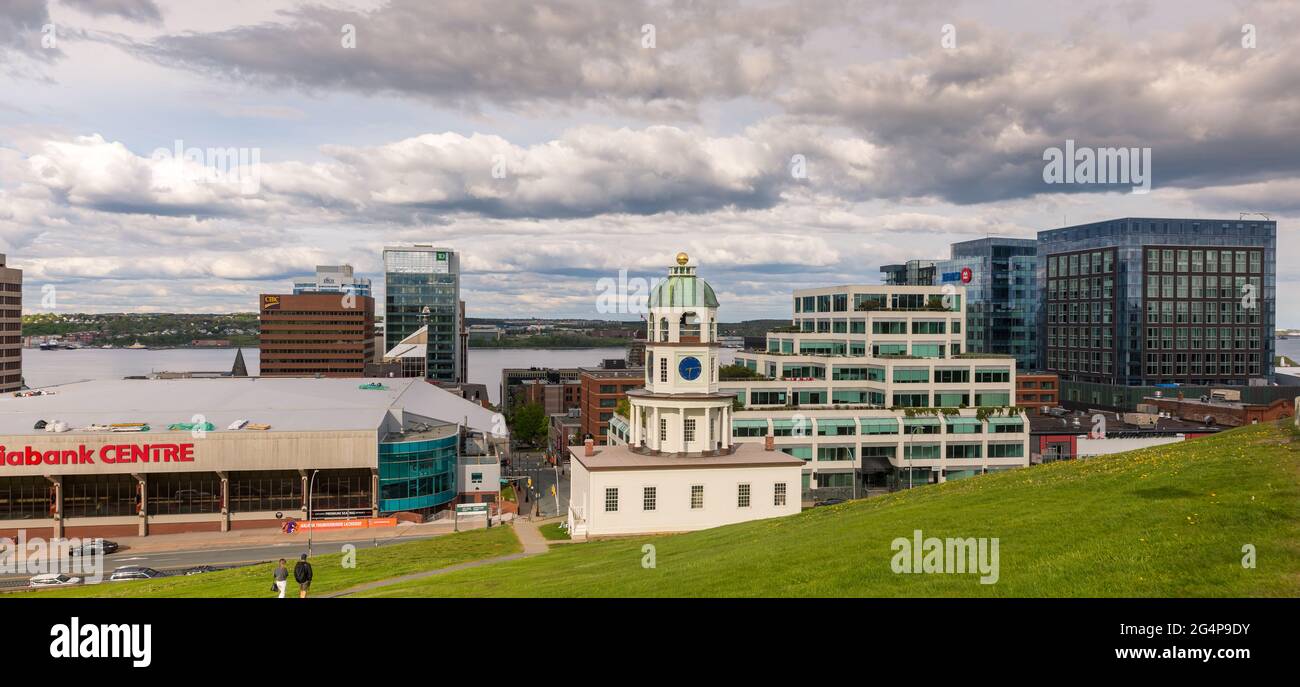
(533, 465)
(294, 546)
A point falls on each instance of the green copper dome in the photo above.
(682, 289)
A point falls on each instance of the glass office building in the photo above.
(333, 279)
(1000, 277)
(1001, 295)
(422, 286)
(1159, 301)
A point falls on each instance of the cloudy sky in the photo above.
(783, 143)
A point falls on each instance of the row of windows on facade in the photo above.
(1168, 338)
(839, 302)
(953, 451)
(902, 375)
(850, 427)
(855, 326)
(1160, 260)
(182, 493)
(1160, 312)
(650, 497)
(876, 399)
(858, 349)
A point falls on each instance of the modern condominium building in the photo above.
(871, 387)
(11, 327)
(1158, 301)
(333, 279)
(422, 287)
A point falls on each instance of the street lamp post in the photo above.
(310, 484)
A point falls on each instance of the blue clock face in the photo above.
(689, 368)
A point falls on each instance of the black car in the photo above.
(829, 502)
(90, 547)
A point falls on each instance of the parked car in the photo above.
(134, 572)
(200, 569)
(53, 580)
(90, 547)
(829, 502)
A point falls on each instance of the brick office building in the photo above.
(11, 327)
(313, 334)
(1037, 390)
(602, 388)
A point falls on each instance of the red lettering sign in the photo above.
(109, 454)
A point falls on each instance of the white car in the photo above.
(53, 580)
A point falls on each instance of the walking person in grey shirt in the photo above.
(281, 578)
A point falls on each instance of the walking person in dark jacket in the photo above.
(302, 575)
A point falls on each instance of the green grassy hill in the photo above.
(1166, 521)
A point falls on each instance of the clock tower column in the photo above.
(681, 400)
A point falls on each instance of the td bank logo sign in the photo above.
(952, 556)
(96, 640)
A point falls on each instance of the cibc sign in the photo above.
(109, 454)
(964, 276)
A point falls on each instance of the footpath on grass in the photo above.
(525, 530)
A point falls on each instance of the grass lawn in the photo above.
(1165, 521)
(553, 532)
(508, 493)
(330, 576)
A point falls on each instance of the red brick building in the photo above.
(1230, 413)
(1037, 390)
(312, 334)
(601, 391)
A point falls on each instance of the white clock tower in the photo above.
(680, 411)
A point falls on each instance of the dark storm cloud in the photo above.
(133, 10)
(468, 53)
(971, 125)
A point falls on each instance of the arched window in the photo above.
(663, 329)
(689, 329)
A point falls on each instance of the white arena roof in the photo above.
(287, 404)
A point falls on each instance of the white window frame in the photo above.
(700, 488)
(611, 491)
(744, 495)
(688, 430)
(663, 429)
(779, 494)
(663, 369)
(649, 497)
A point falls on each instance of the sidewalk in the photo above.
(238, 539)
(525, 530)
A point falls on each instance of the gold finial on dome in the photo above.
(683, 258)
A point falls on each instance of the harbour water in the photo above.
(49, 368)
